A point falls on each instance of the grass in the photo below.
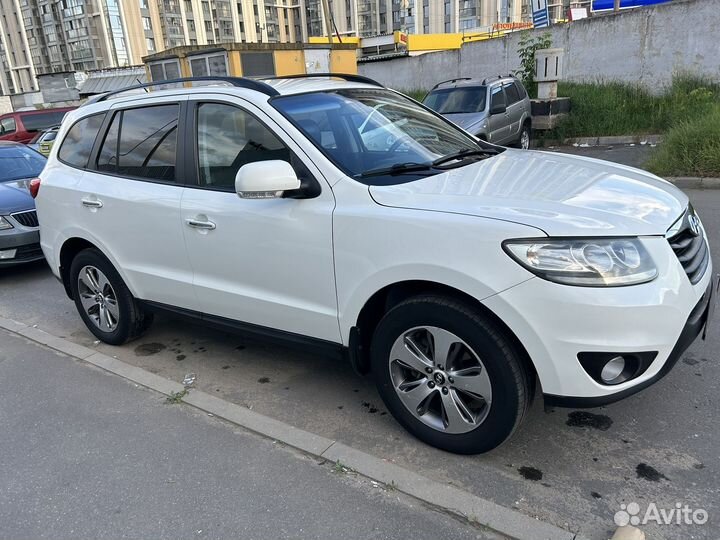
(690, 148)
(624, 109)
(176, 397)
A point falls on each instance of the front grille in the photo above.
(691, 249)
(27, 219)
(30, 251)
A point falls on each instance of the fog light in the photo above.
(7, 254)
(613, 370)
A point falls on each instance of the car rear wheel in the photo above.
(103, 301)
(524, 139)
(448, 374)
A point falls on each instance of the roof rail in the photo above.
(240, 82)
(451, 81)
(345, 76)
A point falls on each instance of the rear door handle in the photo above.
(198, 224)
(92, 203)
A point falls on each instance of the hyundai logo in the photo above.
(694, 223)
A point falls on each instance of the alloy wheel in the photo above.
(98, 298)
(440, 379)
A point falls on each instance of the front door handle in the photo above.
(92, 203)
(198, 224)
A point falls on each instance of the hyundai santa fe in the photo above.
(338, 215)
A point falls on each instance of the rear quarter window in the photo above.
(7, 125)
(78, 143)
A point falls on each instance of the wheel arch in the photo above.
(69, 250)
(390, 295)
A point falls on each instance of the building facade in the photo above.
(52, 36)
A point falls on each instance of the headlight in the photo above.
(593, 262)
(5, 224)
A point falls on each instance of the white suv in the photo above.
(334, 213)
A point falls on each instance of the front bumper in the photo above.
(557, 322)
(696, 324)
(25, 242)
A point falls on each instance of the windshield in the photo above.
(457, 100)
(18, 162)
(365, 132)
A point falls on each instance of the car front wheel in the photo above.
(448, 374)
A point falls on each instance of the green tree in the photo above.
(526, 51)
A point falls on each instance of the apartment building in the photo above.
(366, 18)
(51, 36)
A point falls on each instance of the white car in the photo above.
(461, 274)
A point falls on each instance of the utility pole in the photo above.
(617, 5)
(327, 17)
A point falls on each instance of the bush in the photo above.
(692, 147)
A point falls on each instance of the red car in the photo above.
(22, 126)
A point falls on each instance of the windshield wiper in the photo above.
(464, 153)
(398, 168)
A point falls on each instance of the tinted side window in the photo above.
(497, 97)
(78, 143)
(521, 90)
(227, 139)
(7, 126)
(38, 121)
(142, 143)
(511, 93)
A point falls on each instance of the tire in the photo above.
(90, 273)
(480, 352)
(524, 138)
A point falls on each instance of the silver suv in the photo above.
(496, 110)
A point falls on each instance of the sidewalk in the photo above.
(89, 455)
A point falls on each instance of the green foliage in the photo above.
(176, 397)
(691, 147)
(417, 94)
(526, 51)
(614, 108)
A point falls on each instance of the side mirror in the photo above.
(499, 108)
(265, 180)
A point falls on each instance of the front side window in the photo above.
(227, 139)
(141, 143)
(379, 136)
(457, 100)
(78, 143)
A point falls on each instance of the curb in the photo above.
(476, 510)
(694, 182)
(605, 140)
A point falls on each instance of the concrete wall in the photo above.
(5, 104)
(645, 46)
(58, 87)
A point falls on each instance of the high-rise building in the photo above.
(50, 36)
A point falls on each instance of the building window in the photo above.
(212, 65)
(144, 4)
(165, 70)
(147, 25)
(150, 44)
(257, 64)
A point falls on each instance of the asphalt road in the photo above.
(89, 455)
(572, 474)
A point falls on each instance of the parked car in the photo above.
(458, 272)
(22, 126)
(43, 141)
(19, 234)
(495, 110)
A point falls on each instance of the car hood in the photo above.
(15, 196)
(466, 120)
(560, 194)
